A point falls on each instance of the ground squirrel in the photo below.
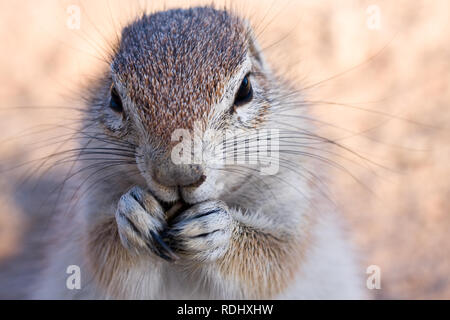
(233, 232)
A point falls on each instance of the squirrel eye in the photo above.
(245, 92)
(115, 103)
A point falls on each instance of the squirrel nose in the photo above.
(182, 175)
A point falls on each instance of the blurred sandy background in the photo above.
(392, 108)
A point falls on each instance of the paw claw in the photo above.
(162, 249)
(140, 221)
(201, 232)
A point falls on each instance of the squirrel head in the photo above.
(194, 69)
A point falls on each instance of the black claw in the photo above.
(204, 235)
(159, 253)
(138, 199)
(180, 219)
(164, 251)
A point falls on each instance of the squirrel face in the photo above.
(197, 69)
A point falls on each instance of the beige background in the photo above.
(389, 103)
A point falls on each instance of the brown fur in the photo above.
(108, 258)
(172, 46)
(262, 263)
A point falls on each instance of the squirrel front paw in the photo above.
(140, 221)
(202, 232)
